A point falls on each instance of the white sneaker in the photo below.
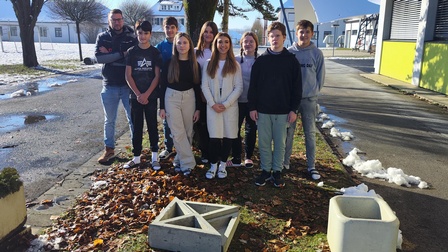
(133, 163)
(286, 166)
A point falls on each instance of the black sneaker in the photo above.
(277, 178)
(264, 176)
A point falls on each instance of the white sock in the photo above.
(213, 166)
(154, 156)
(136, 159)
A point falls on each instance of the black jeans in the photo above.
(220, 149)
(149, 111)
(250, 134)
(201, 128)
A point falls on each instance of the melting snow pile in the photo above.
(374, 169)
(329, 124)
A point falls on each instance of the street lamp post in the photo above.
(335, 25)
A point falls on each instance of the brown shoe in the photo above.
(107, 155)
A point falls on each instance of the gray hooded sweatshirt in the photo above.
(311, 60)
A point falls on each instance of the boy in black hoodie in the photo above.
(274, 96)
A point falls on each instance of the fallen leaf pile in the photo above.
(124, 202)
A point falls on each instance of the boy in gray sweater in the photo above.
(313, 74)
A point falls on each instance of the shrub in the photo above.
(9, 181)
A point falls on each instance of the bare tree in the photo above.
(78, 11)
(90, 31)
(135, 10)
(27, 12)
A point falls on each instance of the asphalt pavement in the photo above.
(401, 125)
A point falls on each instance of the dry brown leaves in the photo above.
(133, 198)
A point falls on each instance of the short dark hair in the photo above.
(115, 11)
(277, 26)
(143, 25)
(170, 21)
(304, 24)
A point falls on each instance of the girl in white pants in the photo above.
(179, 102)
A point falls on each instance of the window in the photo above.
(327, 33)
(441, 27)
(13, 31)
(58, 32)
(182, 21)
(43, 31)
(405, 19)
(369, 32)
(1, 31)
(354, 32)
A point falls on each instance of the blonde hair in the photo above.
(230, 66)
(173, 68)
(254, 36)
(201, 41)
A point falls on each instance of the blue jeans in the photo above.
(110, 97)
(308, 110)
(272, 129)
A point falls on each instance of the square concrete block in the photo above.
(194, 226)
(359, 223)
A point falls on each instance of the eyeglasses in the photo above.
(116, 19)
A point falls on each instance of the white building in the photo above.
(163, 9)
(47, 29)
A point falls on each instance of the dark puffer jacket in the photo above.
(113, 70)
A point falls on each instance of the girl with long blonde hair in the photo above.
(222, 84)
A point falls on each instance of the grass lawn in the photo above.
(292, 218)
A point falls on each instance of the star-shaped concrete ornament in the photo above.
(194, 226)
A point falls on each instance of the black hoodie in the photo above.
(275, 83)
(113, 70)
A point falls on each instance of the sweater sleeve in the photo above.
(205, 86)
(320, 70)
(296, 94)
(163, 84)
(252, 92)
(237, 80)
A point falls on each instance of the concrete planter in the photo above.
(358, 223)
(12, 213)
(194, 226)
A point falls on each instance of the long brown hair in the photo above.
(230, 66)
(255, 37)
(173, 68)
(201, 42)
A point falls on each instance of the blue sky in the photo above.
(326, 10)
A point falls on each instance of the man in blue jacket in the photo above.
(110, 50)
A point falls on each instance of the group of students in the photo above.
(210, 87)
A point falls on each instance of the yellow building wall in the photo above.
(397, 60)
(434, 75)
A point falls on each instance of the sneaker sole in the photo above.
(279, 186)
(258, 184)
